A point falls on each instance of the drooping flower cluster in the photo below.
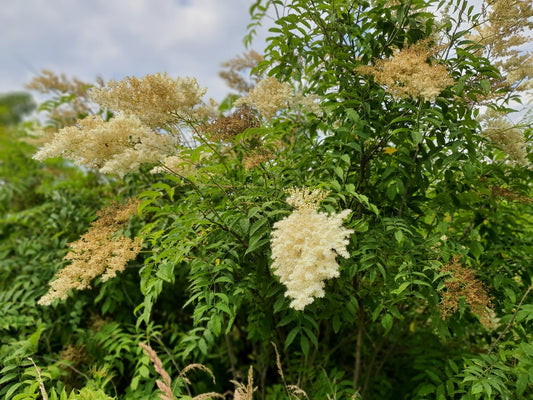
(505, 135)
(506, 29)
(175, 165)
(257, 156)
(77, 91)
(305, 244)
(118, 146)
(99, 252)
(271, 96)
(309, 103)
(408, 73)
(239, 72)
(226, 128)
(164, 384)
(510, 195)
(156, 100)
(462, 283)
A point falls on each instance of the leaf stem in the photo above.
(508, 326)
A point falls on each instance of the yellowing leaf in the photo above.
(390, 150)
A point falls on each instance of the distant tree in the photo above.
(14, 106)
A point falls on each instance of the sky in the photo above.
(118, 38)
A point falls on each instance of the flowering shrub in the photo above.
(388, 116)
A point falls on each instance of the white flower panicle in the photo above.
(174, 164)
(303, 198)
(271, 96)
(408, 74)
(155, 99)
(305, 244)
(308, 103)
(499, 129)
(118, 146)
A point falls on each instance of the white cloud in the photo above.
(121, 37)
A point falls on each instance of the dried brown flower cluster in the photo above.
(118, 146)
(157, 100)
(99, 252)
(74, 354)
(256, 157)
(225, 129)
(205, 111)
(96, 322)
(59, 85)
(505, 135)
(71, 357)
(462, 283)
(237, 68)
(305, 245)
(409, 73)
(498, 191)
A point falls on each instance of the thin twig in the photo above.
(359, 345)
(171, 357)
(232, 358)
(41, 384)
(508, 326)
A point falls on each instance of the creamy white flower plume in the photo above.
(305, 245)
(117, 146)
(271, 96)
